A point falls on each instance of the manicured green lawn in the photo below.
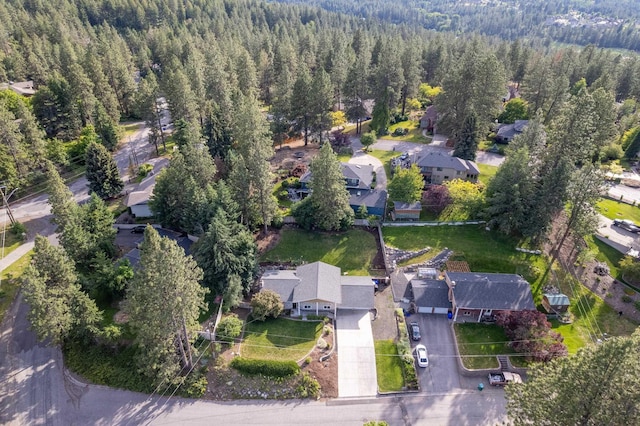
(606, 253)
(11, 282)
(344, 158)
(388, 366)
(353, 251)
(618, 210)
(487, 172)
(280, 338)
(481, 339)
(573, 335)
(414, 135)
(129, 129)
(385, 157)
(485, 251)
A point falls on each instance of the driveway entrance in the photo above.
(356, 355)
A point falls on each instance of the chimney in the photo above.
(451, 287)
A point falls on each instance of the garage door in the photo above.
(432, 310)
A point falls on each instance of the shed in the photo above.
(556, 303)
(410, 211)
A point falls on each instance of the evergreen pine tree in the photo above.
(102, 172)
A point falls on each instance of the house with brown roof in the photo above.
(318, 288)
(437, 167)
(429, 119)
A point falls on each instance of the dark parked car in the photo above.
(626, 224)
(415, 331)
(138, 229)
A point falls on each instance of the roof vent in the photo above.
(358, 193)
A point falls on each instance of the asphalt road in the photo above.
(618, 235)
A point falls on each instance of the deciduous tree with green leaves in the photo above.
(406, 185)
(368, 139)
(163, 301)
(266, 304)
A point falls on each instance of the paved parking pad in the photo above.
(357, 360)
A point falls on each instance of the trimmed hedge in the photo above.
(265, 367)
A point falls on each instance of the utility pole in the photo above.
(5, 203)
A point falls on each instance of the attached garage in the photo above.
(431, 296)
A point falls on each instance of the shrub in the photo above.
(18, 229)
(308, 387)
(269, 368)
(637, 305)
(400, 131)
(307, 360)
(266, 304)
(229, 328)
(626, 299)
(144, 170)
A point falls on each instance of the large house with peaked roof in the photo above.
(359, 181)
(507, 132)
(437, 168)
(472, 296)
(317, 288)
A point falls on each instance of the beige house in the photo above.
(437, 167)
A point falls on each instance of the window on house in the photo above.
(467, 313)
(446, 177)
(306, 306)
(326, 307)
(458, 173)
(439, 169)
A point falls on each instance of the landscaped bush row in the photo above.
(265, 367)
(404, 351)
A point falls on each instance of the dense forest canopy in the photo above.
(606, 23)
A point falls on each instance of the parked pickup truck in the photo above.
(501, 379)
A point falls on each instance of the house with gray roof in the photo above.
(507, 132)
(472, 296)
(317, 288)
(479, 294)
(437, 167)
(359, 181)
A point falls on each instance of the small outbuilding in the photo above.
(555, 303)
(406, 211)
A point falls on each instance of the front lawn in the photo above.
(388, 366)
(481, 339)
(353, 251)
(385, 158)
(487, 172)
(414, 134)
(572, 334)
(618, 210)
(280, 339)
(11, 242)
(485, 251)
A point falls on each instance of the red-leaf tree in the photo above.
(530, 333)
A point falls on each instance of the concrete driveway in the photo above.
(442, 374)
(356, 355)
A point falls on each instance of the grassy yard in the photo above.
(618, 210)
(414, 135)
(481, 339)
(606, 253)
(592, 316)
(280, 338)
(11, 242)
(10, 282)
(388, 366)
(487, 172)
(353, 251)
(385, 157)
(573, 335)
(485, 251)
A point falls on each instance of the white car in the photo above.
(421, 354)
